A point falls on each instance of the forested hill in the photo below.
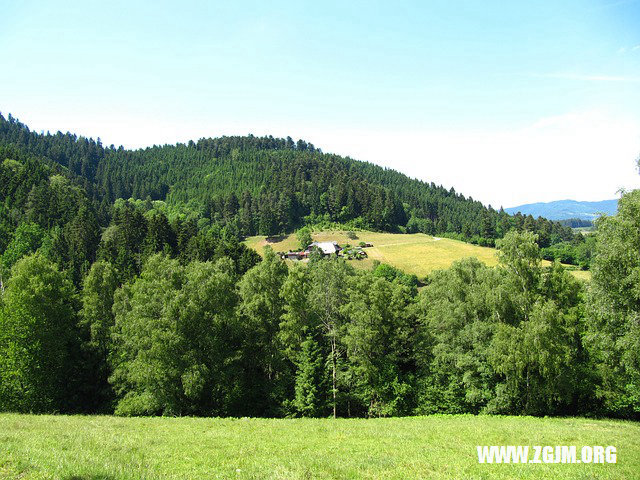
(568, 209)
(264, 185)
(148, 307)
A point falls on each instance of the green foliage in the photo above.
(326, 297)
(266, 375)
(304, 237)
(314, 298)
(178, 317)
(520, 254)
(392, 274)
(27, 239)
(377, 342)
(173, 334)
(37, 339)
(310, 381)
(504, 340)
(421, 225)
(97, 303)
(578, 252)
(537, 361)
(266, 186)
(135, 234)
(614, 308)
(457, 312)
(96, 318)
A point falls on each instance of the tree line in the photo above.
(153, 305)
(269, 186)
(201, 337)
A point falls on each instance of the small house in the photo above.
(327, 248)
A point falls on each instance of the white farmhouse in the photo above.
(327, 248)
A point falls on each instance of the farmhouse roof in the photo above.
(326, 247)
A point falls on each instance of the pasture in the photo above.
(414, 253)
(104, 447)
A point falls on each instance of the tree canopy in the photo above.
(125, 287)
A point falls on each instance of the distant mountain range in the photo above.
(565, 209)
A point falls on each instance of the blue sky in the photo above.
(510, 102)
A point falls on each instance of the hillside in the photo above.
(156, 306)
(435, 447)
(416, 254)
(567, 209)
(267, 186)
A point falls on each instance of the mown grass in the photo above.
(103, 447)
(414, 253)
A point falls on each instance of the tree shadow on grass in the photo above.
(276, 238)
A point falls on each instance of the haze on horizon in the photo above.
(509, 104)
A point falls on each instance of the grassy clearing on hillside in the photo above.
(415, 253)
(102, 447)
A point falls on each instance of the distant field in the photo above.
(415, 253)
(102, 447)
(584, 230)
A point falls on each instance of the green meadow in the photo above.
(439, 447)
(414, 253)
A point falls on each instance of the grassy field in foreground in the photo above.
(102, 447)
(415, 253)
